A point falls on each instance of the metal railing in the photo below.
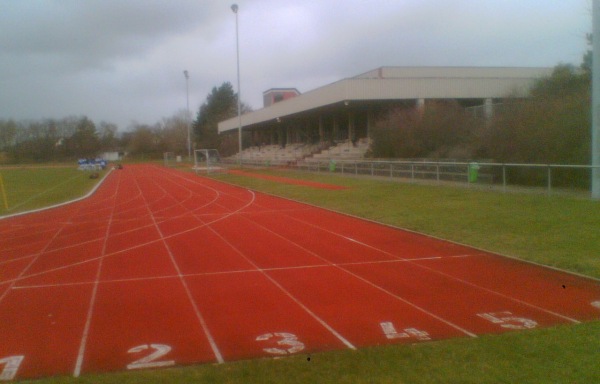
(548, 178)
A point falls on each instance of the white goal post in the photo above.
(207, 160)
(169, 159)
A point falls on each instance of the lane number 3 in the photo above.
(287, 343)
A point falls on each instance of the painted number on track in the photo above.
(151, 360)
(507, 320)
(390, 332)
(287, 343)
(11, 366)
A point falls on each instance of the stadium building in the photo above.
(335, 120)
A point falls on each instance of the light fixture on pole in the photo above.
(235, 8)
(187, 116)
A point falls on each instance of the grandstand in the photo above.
(335, 121)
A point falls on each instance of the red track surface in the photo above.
(161, 268)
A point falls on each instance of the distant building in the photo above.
(112, 156)
(275, 95)
(347, 109)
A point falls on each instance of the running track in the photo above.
(161, 268)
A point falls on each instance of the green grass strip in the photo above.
(567, 354)
(558, 231)
(29, 188)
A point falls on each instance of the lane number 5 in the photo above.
(507, 320)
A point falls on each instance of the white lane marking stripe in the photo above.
(88, 321)
(288, 294)
(449, 323)
(199, 316)
(235, 271)
(311, 313)
(435, 271)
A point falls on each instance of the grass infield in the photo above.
(34, 187)
(557, 231)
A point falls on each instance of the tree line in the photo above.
(66, 139)
(551, 126)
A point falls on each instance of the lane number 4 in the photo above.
(11, 366)
(507, 320)
(390, 332)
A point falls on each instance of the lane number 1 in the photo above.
(11, 366)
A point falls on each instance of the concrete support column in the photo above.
(488, 109)
(321, 133)
(351, 126)
(336, 127)
(370, 122)
(421, 105)
(281, 134)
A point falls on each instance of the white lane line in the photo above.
(64, 224)
(235, 271)
(88, 321)
(285, 291)
(199, 316)
(435, 271)
(119, 252)
(341, 268)
(289, 294)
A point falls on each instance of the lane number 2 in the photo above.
(11, 366)
(287, 343)
(390, 332)
(507, 320)
(151, 360)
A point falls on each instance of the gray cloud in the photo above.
(123, 60)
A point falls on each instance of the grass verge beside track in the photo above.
(566, 354)
(557, 231)
(552, 230)
(32, 187)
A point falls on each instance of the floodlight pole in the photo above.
(235, 8)
(187, 117)
(596, 99)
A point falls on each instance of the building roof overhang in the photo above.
(401, 83)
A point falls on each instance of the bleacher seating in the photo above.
(292, 153)
(344, 151)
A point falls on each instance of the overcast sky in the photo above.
(122, 60)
